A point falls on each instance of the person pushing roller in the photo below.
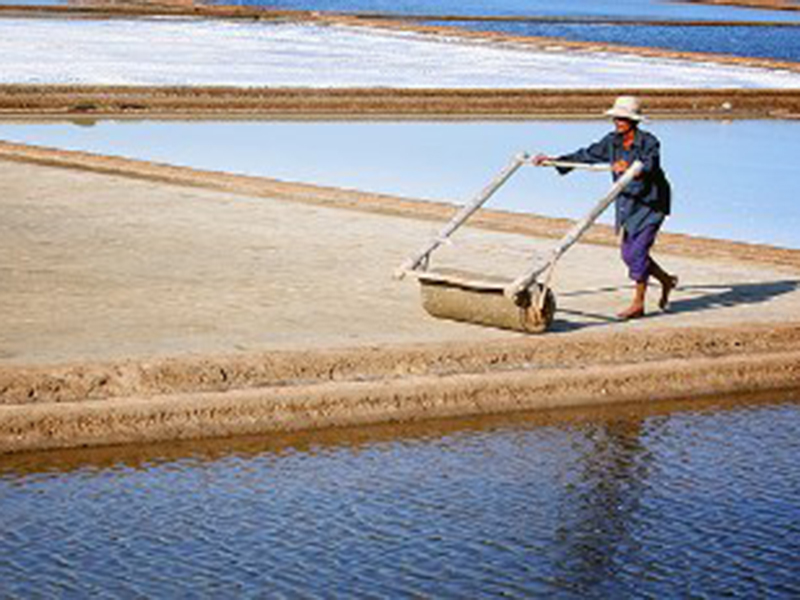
(642, 206)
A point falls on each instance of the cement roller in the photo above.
(522, 304)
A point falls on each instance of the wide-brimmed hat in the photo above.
(626, 107)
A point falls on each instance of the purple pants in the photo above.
(636, 252)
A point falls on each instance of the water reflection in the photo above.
(637, 501)
(598, 523)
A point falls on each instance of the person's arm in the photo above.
(598, 152)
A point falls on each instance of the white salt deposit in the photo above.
(171, 51)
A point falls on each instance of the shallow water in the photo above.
(765, 42)
(733, 180)
(690, 501)
(781, 43)
(644, 9)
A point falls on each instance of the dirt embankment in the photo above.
(192, 398)
(88, 382)
(360, 103)
(129, 9)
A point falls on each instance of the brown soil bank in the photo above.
(134, 309)
(360, 103)
(285, 392)
(110, 10)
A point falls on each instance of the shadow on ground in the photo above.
(705, 297)
(723, 296)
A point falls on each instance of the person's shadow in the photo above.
(719, 296)
(707, 297)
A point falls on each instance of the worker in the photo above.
(642, 206)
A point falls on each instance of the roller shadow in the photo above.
(708, 297)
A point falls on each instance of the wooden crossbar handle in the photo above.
(574, 165)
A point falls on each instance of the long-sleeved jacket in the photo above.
(646, 200)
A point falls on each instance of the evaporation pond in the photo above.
(735, 180)
(701, 502)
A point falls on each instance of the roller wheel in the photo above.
(536, 312)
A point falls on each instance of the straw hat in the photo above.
(626, 107)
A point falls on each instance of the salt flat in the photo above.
(182, 51)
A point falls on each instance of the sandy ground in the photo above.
(97, 267)
(136, 268)
(195, 312)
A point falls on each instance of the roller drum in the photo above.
(490, 307)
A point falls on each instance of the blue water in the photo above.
(643, 9)
(781, 43)
(700, 502)
(736, 180)
(764, 42)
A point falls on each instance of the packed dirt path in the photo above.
(137, 310)
(99, 267)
